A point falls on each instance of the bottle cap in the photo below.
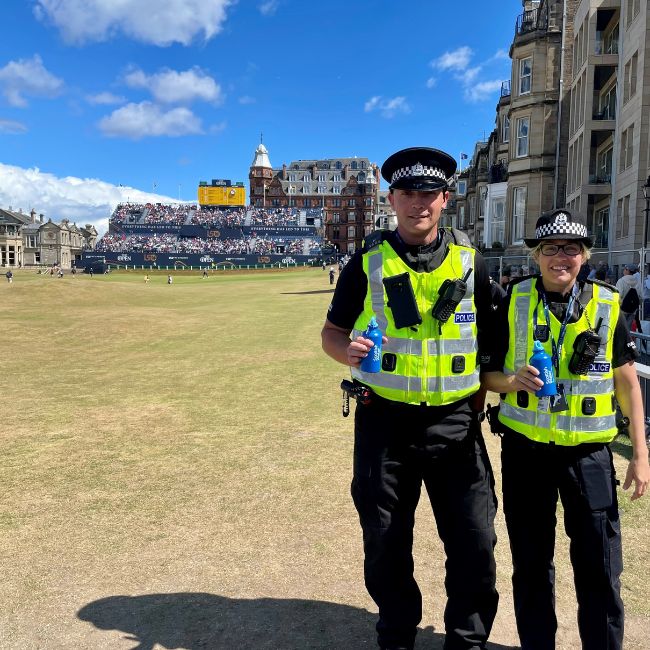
(538, 347)
(373, 323)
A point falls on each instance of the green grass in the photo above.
(187, 439)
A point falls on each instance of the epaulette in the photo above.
(374, 239)
(461, 238)
(602, 283)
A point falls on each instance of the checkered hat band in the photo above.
(418, 171)
(566, 228)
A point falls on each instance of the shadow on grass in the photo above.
(306, 293)
(622, 448)
(204, 621)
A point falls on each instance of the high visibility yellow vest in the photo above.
(574, 426)
(436, 363)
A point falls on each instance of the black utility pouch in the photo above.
(401, 300)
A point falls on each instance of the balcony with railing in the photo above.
(600, 179)
(532, 20)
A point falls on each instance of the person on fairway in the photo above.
(419, 425)
(557, 444)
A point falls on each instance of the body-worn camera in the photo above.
(585, 350)
(450, 294)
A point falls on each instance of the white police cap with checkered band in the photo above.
(560, 224)
(419, 168)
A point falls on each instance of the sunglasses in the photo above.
(553, 249)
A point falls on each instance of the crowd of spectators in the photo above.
(219, 217)
(125, 212)
(172, 214)
(274, 217)
(167, 243)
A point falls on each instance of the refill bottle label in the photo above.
(372, 363)
(544, 365)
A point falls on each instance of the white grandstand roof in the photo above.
(261, 157)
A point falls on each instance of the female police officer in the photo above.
(419, 426)
(559, 444)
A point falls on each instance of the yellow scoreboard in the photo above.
(222, 193)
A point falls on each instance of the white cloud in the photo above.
(28, 77)
(148, 21)
(215, 129)
(11, 127)
(469, 76)
(82, 200)
(172, 87)
(455, 60)
(387, 107)
(500, 55)
(247, 99)
(431, 82)
(482, 91)
(105, 98)
(136, 121)
(269, 7)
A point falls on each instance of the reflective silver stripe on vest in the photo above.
(452, 384)
(397, 346)
(525, 416)
(522, 326)
(376, 273)
(586, 424)
(466, 259)
(588, 386)
(452, 346)
(387, 380)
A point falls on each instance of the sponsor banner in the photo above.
(196, 260)
(213, 231)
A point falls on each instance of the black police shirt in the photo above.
(352, 286)
(494, 351)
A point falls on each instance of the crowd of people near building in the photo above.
(172, 214)
(219, 217)
(274, 217)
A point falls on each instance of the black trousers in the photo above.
(397, 448)
(534, 474)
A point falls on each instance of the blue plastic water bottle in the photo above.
(544, 364)
(372, 363)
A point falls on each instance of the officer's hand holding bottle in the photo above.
(360, 348)
(527, 378)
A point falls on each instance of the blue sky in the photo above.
(101, 101)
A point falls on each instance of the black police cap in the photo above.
(419, 168)
(560, 224)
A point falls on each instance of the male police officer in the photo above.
(419, 425)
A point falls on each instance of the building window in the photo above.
(321, 189)
(306, 177)
(498, 221)
(336, 217)
(335, 233)
(307, 203)
(368, 201)
(339, 164)
(601, 228)
(632, 10)
(627, 144)
(518, 213)
(525, 75)
(505, 129)
(523, 124)
(336, 178)
(351, 216)
(321, 178)
(482, 194)
(293, 177)
(461, 188)
(292, 203)
(336, 189)
(292, 189)
(629, 78)
(607, 105)
(336, 203)
(31, 241)
(306, 189)
(352, 203)
(351, 247)
(623, 217)
(367, 216)
(604, 166)
(611, 41)
(352, 231)
(353, 164)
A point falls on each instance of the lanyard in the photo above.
(556, 347)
